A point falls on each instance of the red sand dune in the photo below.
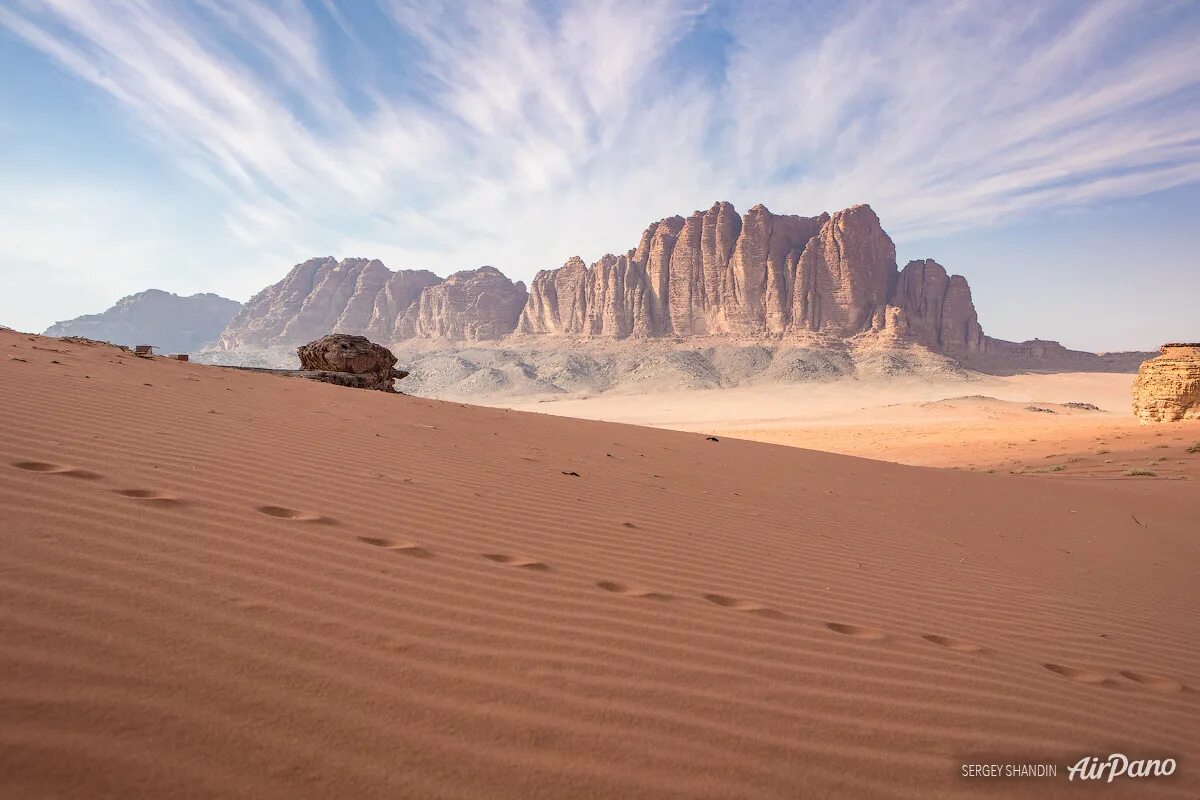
(222, 584)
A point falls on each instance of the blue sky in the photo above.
(1050, 152)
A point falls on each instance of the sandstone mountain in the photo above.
(469, 306)
(171, 322)
(363, 297)
(716, 275)
(324, 295)
(761, 274)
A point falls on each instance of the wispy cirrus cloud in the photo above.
(519, 133)
(961, 115)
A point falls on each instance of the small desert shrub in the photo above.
(1055, 468)
(1145, 472)
(1103, 452)
(1194, 447)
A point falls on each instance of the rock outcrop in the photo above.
(469, 306)
(324, 295)
(1167, 388)
(168, 321)
(713, 273)
(393, 303)
(756, 274)
(349, 361)
(363, 297)
(845, 275)
(937, 310)
(803, 281)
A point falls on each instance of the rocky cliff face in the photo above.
(168, 321)
(363, 297)
(395, 301)
(320, 296)
(781, 277)
(756, 274)
(469, 306)
(1168, 387)
(936, 309)
(712, 273)
(845, 275)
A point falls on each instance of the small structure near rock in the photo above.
(144, 350)
(348, 360)
(1167, 387)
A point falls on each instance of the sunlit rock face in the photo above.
(1167, 388)
(363, 297)
(759, 276)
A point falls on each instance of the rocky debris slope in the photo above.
(532, 367)
(166, 320)
(1167, 388)
(525, 369)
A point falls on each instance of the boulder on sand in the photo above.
(349, 361)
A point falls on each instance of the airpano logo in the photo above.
(1104, 769)
(1118, 765)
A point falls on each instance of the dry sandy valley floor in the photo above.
(1017, 424)
(224, 584)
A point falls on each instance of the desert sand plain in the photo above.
(224, 584)
(1019, 424)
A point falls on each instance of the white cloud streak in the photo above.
(524, 137)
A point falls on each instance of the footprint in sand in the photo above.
(748, 606)
(514, 561)
(407, 548)
(55, 469)
(631, 591)
(957, 645)
(150, 496)
(855, 631)
(279, 512)
(1159, 682)
(1081, 675)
